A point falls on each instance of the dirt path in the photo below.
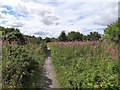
(49, 77)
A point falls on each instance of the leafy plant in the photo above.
(85, 64)
(112, 32)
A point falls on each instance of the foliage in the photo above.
(85, 65)
(63, 36)
(22, 65)
(39, 40)
(21, 61)
(11, 34)
(47, 39)
(54, 40)
(94, 36)
(17, 67)
(75, 36)
(112, 32)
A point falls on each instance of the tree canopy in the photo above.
(112, 32)
(72, 36)
(94, 36)
(63, 36)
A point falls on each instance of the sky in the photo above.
(47, 18)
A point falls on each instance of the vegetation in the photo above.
(75, 36)
(22, 59)
(85, 61)
(11, 34)
(93, 36)
(88, 64)
(112, 32)
(63, 36)
(96, 67)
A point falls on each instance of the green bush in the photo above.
(22, 65)
(112, 32)
(22, 59)
(18, 67)
(11, 34)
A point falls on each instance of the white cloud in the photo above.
(43, 18)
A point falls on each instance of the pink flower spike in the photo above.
(14, 42)
(6, 36)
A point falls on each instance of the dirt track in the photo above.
(49, 80)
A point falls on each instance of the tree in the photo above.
(54, 39)
(39, 40)
(94, 36)
(47, 40)
(72, 36)
(112, 32)
(63, 36)
(85, 37)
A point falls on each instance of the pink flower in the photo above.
(6, 36)
(14, 42)
(94, 47)
(113, 51)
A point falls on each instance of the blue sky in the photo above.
(47, 18)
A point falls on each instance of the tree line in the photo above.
(111, 33)
(75, 36)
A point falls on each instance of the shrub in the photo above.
(112, 32)
(11, 34)
(18, 67)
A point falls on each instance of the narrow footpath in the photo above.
(49, 80)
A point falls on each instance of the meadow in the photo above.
(86, 64)
(80, 61)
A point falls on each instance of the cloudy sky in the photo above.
(47, 18)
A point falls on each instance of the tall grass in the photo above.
(85, 64)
